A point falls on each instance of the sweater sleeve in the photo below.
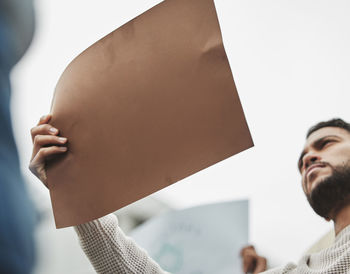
(110, 251)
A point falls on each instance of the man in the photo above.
(17, 214)
(324, 165)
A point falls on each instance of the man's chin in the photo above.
(330, 193)
(316, 181)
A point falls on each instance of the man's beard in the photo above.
(332, 193)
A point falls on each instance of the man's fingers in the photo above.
(44, 129)
(46, 145)
(248, 263)
(37, 164)
(38, 169)
(252, 262)
(44, 119)
(247, 250)
(260, 265)
(46, 140)
(44, 153)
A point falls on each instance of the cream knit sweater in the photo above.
(111, 252)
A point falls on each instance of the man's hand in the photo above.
(252, 263)
(46, 144)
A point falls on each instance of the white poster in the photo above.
(200, 240)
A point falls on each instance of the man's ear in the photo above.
(328, 219)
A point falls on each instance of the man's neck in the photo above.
(342, 219)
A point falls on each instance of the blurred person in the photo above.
(17, 214)
(324, 165)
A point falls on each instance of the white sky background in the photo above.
(291, 64)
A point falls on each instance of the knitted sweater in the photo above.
(111, 252)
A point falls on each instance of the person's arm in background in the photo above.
(251, 261)
(104, 243)
(18, 216)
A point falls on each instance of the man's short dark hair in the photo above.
(337, 122)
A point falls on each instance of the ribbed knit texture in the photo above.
(110, 251)
(332, 260)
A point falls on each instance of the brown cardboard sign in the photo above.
(144, 107)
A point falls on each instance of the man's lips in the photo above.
(310, 168)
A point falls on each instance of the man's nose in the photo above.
(311, 158)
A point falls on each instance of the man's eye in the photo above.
(326, 142)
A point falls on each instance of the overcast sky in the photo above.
(291, 64)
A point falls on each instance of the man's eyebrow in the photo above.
(314, 144)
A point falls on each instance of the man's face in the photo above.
(325, 150)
